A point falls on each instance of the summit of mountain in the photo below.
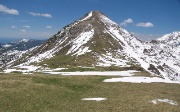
(172, 39)
(93, 40)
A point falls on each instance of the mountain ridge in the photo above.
(21, 45)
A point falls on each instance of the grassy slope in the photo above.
(64, 93)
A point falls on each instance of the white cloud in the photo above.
(147, 24)
(25, 26)
(8, 10)
(49, 27)
(47, 15)
(123, 24)
(40, 14)
(23, 30)
(129, 20)
(13, 26)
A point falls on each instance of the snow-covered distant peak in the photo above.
(171, 36)
(7, 45)
(172, 39)
(24, 40)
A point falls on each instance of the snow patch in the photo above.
(7, 45)
(24, 40)
(40, 57)
(108, 59)
(87, 17)
(99, 73)
(82, 39)
(94, 99)
(164, 101)
(23, 69)
(82, 50)
(140, 80)
(9, 70)
(107, 21)
(56, 69)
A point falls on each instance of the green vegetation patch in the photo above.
(60, 60)
(58, 93)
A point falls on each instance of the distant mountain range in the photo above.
(7, 50)
(20, 45)
(6, 40)
(97, 41)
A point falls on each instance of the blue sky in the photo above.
(40, 19)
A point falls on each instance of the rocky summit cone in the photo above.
(97, 41)
(93, 40)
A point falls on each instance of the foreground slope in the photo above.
(44, 93)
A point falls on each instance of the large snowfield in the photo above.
(125, 76)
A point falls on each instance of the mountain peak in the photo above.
(24, 40)
(96, 13)
(172, 36)
(172, 39)
(92, 14)
(98, 19)
(94, 38)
